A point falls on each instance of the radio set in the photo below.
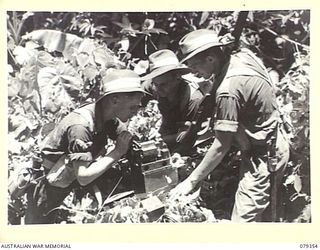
(147, 167)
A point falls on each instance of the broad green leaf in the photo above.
(14, 86)
(70, 77)
(32, 104)
(58, 86)
(87, 45)
(20, 122)
(23, 55)
(103, 57)
(54, 40)
(83, 59)
(14, 146)
(44, 59)
(28, 78)
(90, 72)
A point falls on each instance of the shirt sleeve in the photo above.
(227, 113)
(79, 143)
(193, 105)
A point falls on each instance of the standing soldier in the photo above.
(74, 152)
(178, 99)
(246, 113)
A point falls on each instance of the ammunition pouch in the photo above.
(275, 150)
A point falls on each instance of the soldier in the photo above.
(74, 152)
(178, 99)
(246, 113)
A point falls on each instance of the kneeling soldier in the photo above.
(74, 152)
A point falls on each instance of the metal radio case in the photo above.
(150, 169)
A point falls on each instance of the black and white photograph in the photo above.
(158, 117)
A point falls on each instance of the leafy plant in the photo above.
(57, 60)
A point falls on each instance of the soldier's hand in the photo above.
(184, 131)
(123, 142)
(184, 188)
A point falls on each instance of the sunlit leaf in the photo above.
(14, 146)
(44, 59)
(124, 44)
(58, 86)
(87, 46)
(103, 57)
(204, 17)
(297, 183)
(54, 40)
(23, 55)
(83, 59)
(14, 86)
(90, 72)
(141, 67)
(290, 180)
(148, 24)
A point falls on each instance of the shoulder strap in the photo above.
(88, 116)
(247, 71)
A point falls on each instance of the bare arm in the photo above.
(87, 172)
(213, 157)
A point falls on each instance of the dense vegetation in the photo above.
(56, 61)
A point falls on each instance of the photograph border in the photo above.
(151, 233)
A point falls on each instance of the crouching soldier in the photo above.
(178, 100)
(74, 152)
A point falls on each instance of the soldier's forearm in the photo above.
(213, 157)
(88, 173)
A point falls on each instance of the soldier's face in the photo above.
(166, 84)
(128, 106)
(202, 66)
